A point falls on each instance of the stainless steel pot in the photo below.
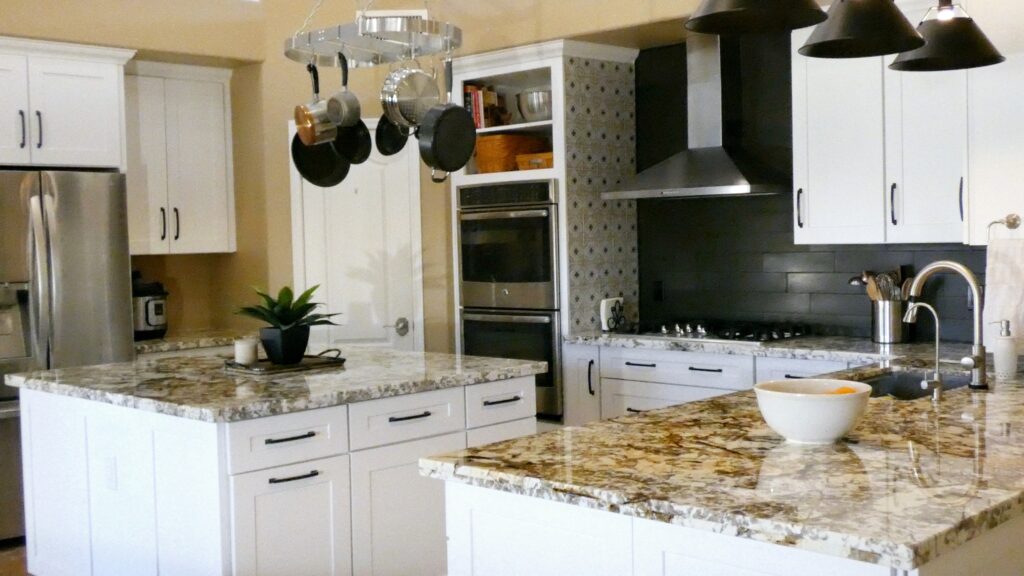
(343, 106)
(312, 122)
(408, 93)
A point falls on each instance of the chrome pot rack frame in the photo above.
(374, 40)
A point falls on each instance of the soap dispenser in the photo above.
(1005, 352)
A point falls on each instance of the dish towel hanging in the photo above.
(1004, 287)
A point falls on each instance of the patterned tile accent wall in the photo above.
(600, 152)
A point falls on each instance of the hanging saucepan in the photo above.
(390, 137)
(320, 165)
(408, 93)
(353, 139)
(447, 134)
(313, 124)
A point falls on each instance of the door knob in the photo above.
(401, 326)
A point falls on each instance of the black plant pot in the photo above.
(285, 346)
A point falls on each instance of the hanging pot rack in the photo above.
(374, 40)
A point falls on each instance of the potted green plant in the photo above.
(286, 338)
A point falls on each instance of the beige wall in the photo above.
(239, 33)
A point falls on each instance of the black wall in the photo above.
(734, 258)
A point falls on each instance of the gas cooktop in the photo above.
(753, 332)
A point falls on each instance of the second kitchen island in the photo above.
(173, 466)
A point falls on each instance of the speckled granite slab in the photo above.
(200, 389)
(192, 340)
(910, 483)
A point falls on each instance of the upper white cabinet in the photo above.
(838, 154)
(61, 104)
(180, 179)
(881, 156)
(996, 124)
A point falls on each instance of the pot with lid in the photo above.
(149, 308)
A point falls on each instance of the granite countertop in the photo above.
(838, 348)
(192, 340)
(715, 465)
(197, 387)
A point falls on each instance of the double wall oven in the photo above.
(508, 279)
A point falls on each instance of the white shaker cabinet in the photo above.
(581, 377)
(293, 519)
(14, 110)
(397, 515)
(180, 177)
(61, 105)
(838, 153)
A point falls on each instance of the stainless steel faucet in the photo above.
(935, 384)
(976, 361)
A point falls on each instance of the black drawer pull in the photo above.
(794, 377)
(641, 365)
(633, 410)
(21, 114)
(425, 414)
(312, 474)
(515, 398)
(39, 116)
(309, 434)
(590, 378)
(715, 370)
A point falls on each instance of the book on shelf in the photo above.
(486, 105)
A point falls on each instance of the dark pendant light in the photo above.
(754, 16)
(860, 28)
(953, 41)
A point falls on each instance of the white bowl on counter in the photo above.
(809, 411)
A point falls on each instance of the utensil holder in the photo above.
(887, 322)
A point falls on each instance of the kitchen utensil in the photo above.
(353, 142)
(320, 165)
(391, 138)
(149, 303)
(447, 134)
(905, 289)
(885, 285)
(312, 123)
(809, 411)
(534, 105)
(408, 93)
(872, 289)
(343, 107)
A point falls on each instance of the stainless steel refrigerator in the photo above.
(65, 291)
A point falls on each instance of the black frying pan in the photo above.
(447, 134)
(390, 137)
(352, 141)
(320, 164)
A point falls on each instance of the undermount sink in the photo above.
(907, 385)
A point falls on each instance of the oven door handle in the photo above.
(510, 214)
(510, 318)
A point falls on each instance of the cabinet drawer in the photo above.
(790, 368)
(401, 418)
(622, 397)
(501, 432)
(286, 439)
(502, 401)
(727, 371)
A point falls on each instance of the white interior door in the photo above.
(360, 241)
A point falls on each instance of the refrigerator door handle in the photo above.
(41, 279)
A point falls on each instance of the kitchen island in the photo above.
(172, 465)
(707, 488)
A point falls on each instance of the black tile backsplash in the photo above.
(734, 259)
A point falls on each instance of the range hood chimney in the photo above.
(706, 168)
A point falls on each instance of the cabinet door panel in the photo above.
(581, 373)
(624, 397)
(501, 432)
(398, 515)
(199, 200)
(14, 111)
(146, 140)
(838, 151)
(287, 521)
(76, 113)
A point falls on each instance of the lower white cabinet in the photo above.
(293, 520)
(621, 397)
(793, 368)
(501, 432)
(397, 515)
(581, 381)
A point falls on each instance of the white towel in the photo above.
(1004, 287)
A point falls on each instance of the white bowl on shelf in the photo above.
(808, 411)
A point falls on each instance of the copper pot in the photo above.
(312, 122)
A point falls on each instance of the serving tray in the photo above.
(265, 367)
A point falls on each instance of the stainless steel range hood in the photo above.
(706, 168)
